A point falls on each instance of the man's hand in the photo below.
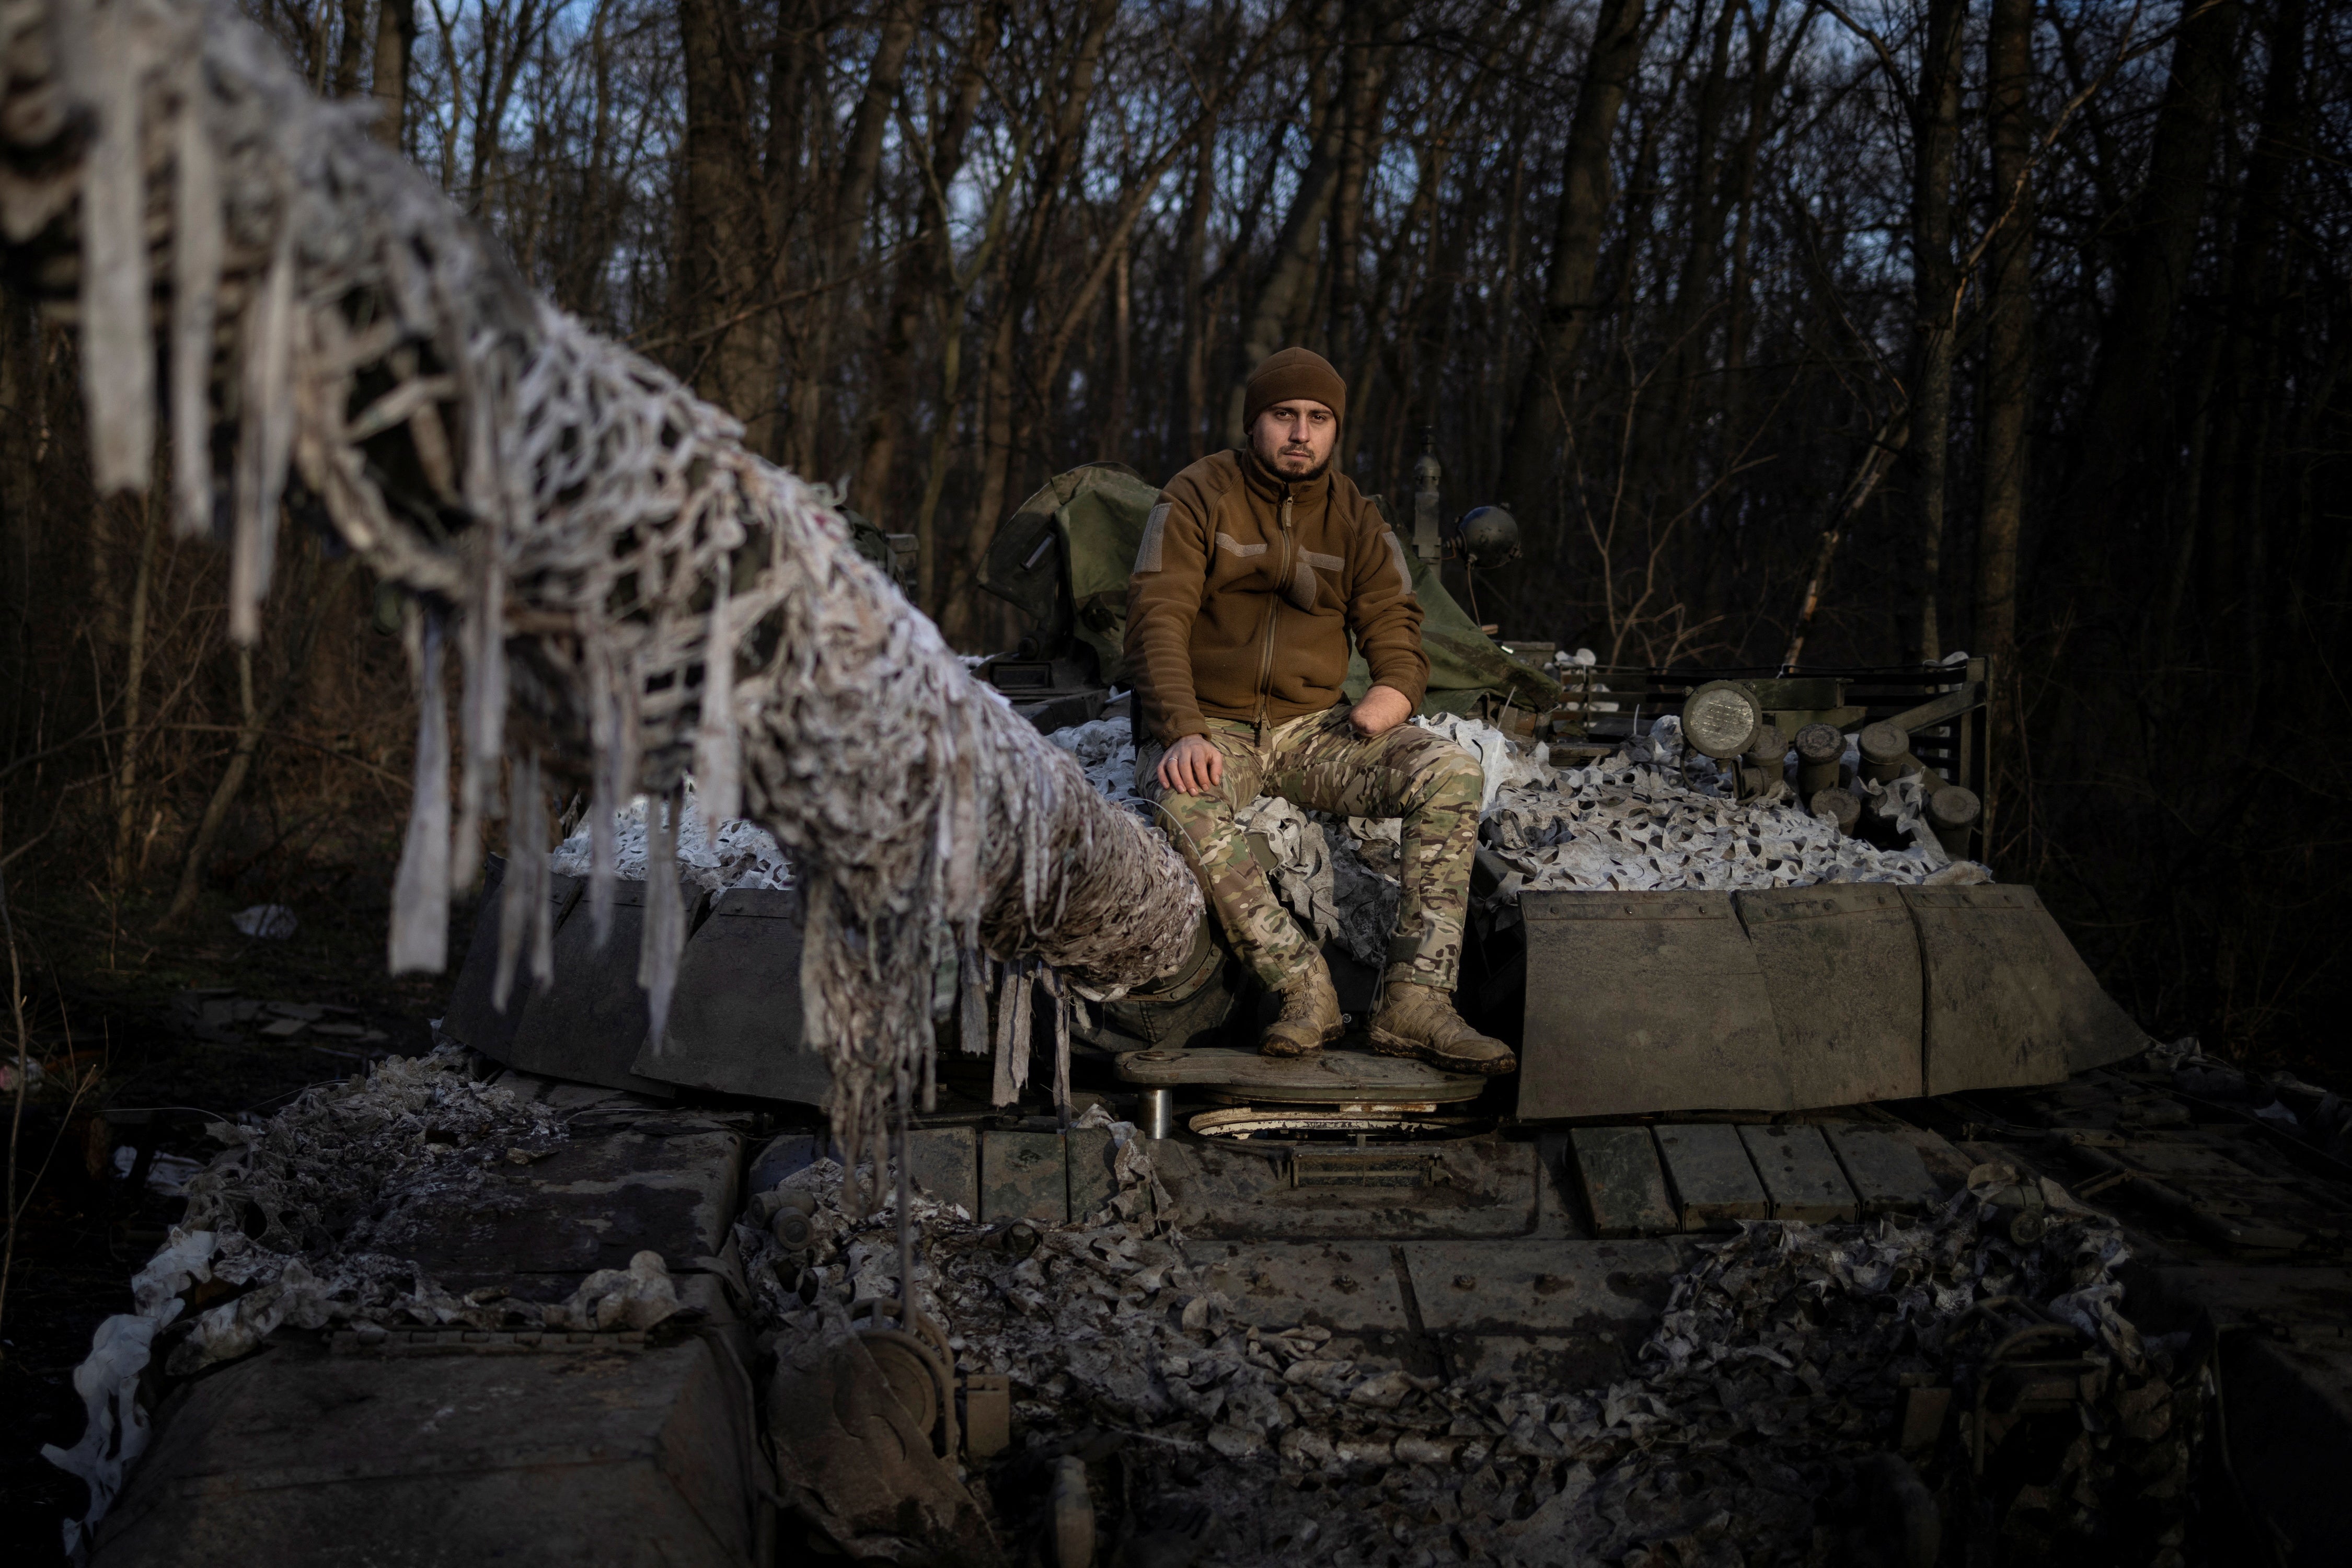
(1192, 766)
(1382, 709)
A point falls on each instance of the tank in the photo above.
(1396, 1266)
(1219, 1308)
(1763, 999)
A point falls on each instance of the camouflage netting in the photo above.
(287, 1220)
(1748, 1419)
(631, 592)
(1750, 1428)
(712, 855)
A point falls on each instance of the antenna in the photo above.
(1426, 473)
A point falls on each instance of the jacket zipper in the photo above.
(1274, 613)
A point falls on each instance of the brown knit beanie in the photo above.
(1292, 372)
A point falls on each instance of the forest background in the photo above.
(2030, 319)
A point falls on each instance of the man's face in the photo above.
(1294, 439)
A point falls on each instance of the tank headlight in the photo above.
(1720, 719)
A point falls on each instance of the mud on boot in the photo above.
(1310, 1017)
(1420, 1021)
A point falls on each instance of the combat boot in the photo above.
(1420, 1021)
(1311, 1015)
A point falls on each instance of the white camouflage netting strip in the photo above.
(594, 542)
(742, 854)
(1773, 1373)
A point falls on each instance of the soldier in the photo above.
(1255, 566)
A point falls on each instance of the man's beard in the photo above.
(1288, 478)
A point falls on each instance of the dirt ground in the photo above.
(205, 1028)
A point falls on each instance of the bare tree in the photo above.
(396, 39)
(2008, 354)
(1578, 229)
(1936, 298)
(2156, 239)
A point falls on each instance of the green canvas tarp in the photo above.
(1083, 528)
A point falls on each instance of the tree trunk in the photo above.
(396, 41)
(1192, 441)
(1389, 287)
(1934, 302)
(995, 418)
(2253, 326)
(940, 568)
(732, 331)
(1499, 381)
(2009, 363)
(893, 385)
(348, 53)
(861, 156)
(1024, 273)
(916, 281)
(134, 680)
(1291, 270)
(1893, 433)
(785, 164)
(1360, 142)
(1111, 438)
(1142, 185)
(1584, 198)
(20, 415)
(508, 40)
(2157, 244)
(1671, 447)
(1739, 195)
(931, 567)
(1661, 445)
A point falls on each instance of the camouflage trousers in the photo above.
(1319, 763)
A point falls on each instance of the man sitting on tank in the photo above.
(1255, 568)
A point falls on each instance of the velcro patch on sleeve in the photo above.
(1396, 554)
(1155, 528)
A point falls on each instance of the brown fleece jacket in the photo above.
(1245, 591)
